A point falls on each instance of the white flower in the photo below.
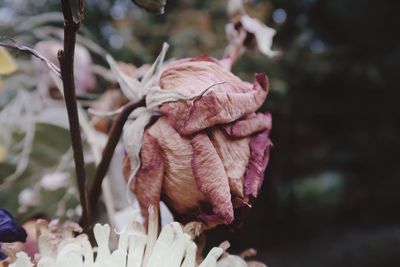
(172, 248)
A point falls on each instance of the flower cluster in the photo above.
(136, 247)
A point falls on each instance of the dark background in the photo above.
(331, 191)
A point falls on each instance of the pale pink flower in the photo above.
(85, 80)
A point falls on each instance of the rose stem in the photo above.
(113, 138)
(66, 59)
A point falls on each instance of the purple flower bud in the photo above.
(10, 231)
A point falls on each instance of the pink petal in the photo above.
(223, 103)
(260, 146)
(210, 177)
(147, 184)
(249, 125)
(234, 154)
(179, 188)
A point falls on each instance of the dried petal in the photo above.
(179, 186)
(264, 35)
(223, 103)
(260, 146)
(211, 177)
(249, 125)
(148, 180)
(234, 154)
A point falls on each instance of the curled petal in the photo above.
(234, 154)
(212, 257)
(260, 146)
(179, 187)
(224, 103)
(211, 177)
(250, 125)
(264, 35)
(148, 180)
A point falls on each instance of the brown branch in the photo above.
(66, 59)
(13, 45)
(113, 138)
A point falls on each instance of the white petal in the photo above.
(70, 255)
(132, 138)
(190, 256)
(118, 258)
(177, 249)
(102, 236)
(161, 250)
(212, 257)
(46, 262)
(152, 75)
(152, 232)
(231, 261)
(129, 86)
(87, 252)
(263, 34)
(137, 244)
(22, 260)
(128, 214)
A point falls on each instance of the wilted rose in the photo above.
(205, 157)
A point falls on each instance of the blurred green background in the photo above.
(331, 192)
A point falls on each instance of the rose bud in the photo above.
(204, 157)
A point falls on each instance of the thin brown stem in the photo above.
(113, 138)
(66, 59)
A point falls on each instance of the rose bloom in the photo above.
(205, 157)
